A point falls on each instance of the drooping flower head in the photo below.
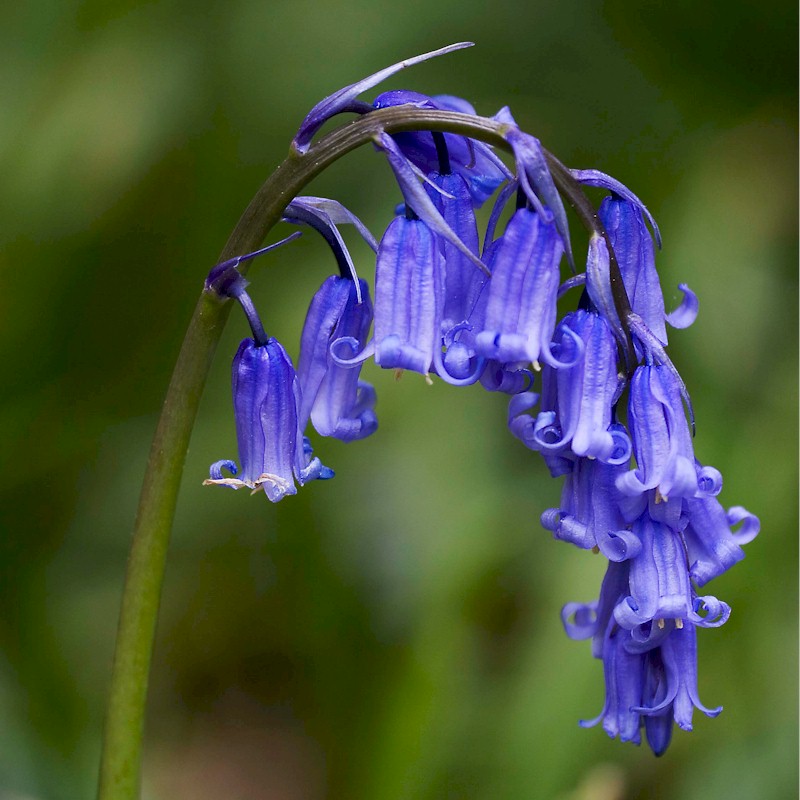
(636, 494)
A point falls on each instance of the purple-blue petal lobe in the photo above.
(686, 313)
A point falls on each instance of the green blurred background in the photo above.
(394, 633)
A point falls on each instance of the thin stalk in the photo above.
(120, 765)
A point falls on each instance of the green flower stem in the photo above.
(122, 748)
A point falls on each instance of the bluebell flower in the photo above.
(623, 216)
(662, 442)
(587, 388)
(333, 397)
(650, 682)
(408, 299)
(520, 313)
(495, 376)
(712, 546)
(624, 674)
(623, 669)
(633, 246)
(671, 687)
(651, 689)
(589, 515)
(462, 282)
(272, 451)
(660, 587)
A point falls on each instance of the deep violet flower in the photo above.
(650, 689)
(272, 451)
(408, 296)
(671, 687)
(633, 246)
(660, 587)
(650, 681)
(624, 674)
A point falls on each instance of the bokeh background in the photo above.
(394, 633)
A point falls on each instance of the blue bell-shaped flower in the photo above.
(272, 451)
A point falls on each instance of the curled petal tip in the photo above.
(686, 313)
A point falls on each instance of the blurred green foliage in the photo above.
(394, 633)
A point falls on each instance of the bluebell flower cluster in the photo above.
(593, 392)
